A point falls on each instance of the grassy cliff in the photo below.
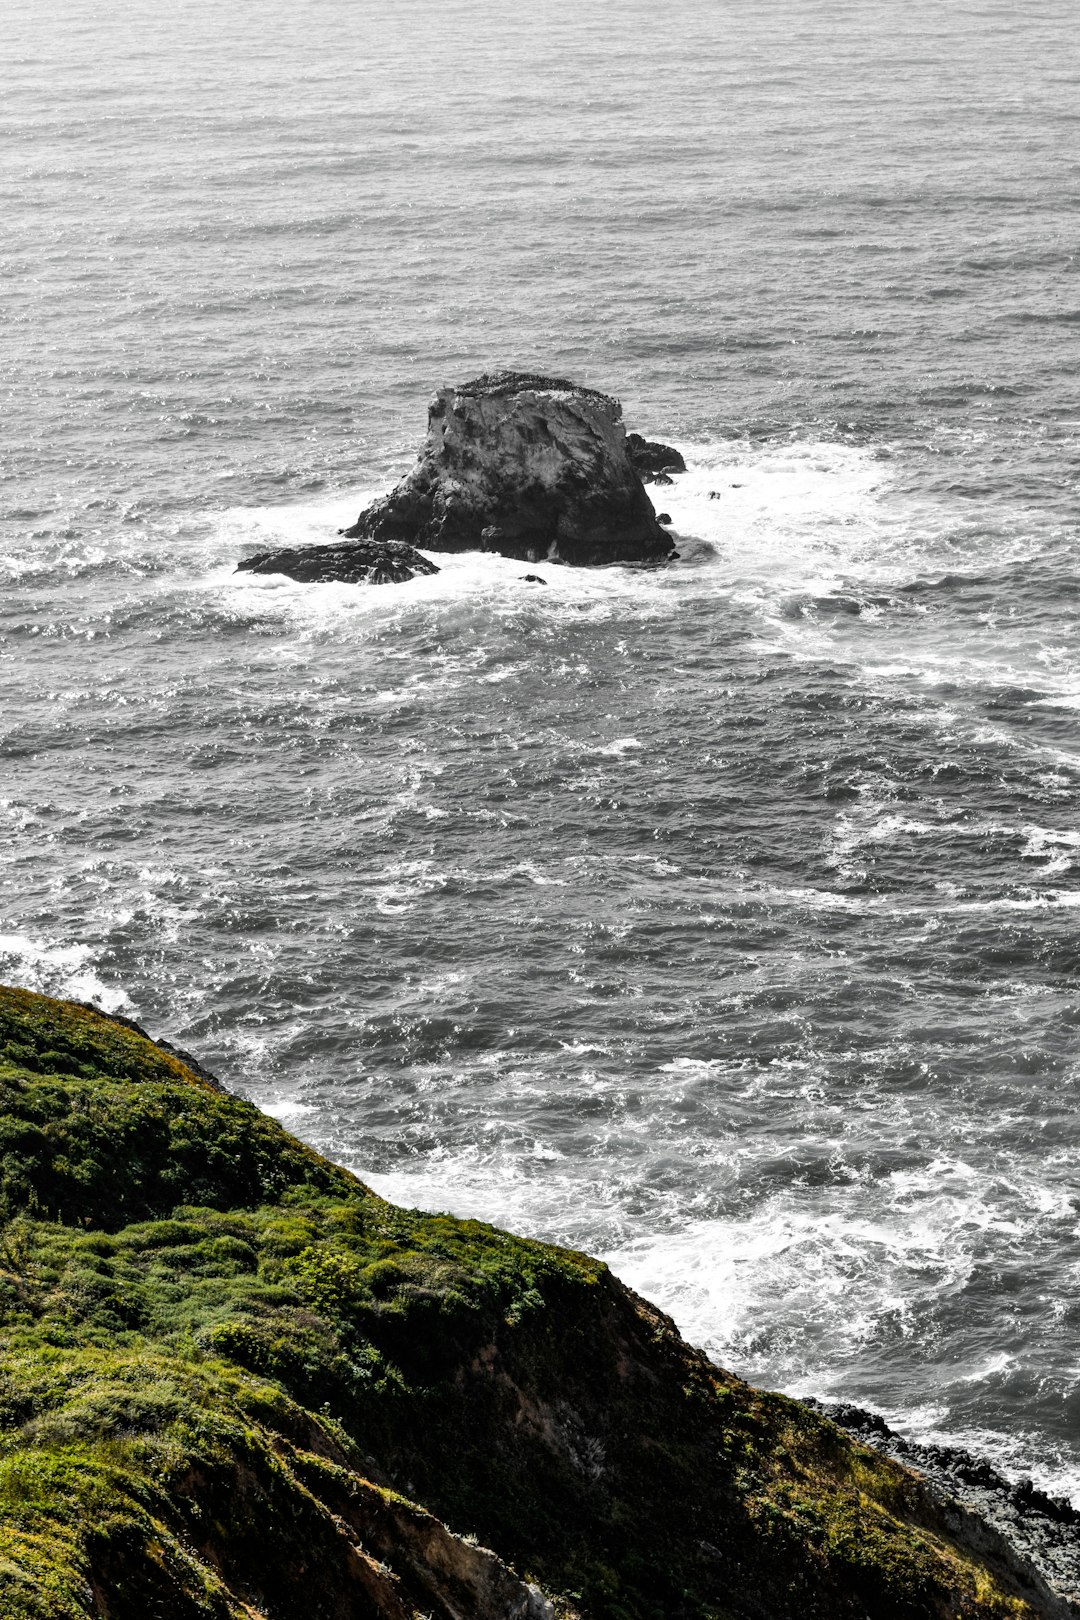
(236, 1383)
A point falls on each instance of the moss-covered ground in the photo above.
(220, 1354)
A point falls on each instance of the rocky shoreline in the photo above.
(1040, 1531)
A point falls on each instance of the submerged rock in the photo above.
(652, 460)
(527, 466)
(350, 562)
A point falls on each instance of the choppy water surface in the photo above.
(722, 919)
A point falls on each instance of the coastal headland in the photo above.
(238, 1383)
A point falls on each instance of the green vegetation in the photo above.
(230, 1374)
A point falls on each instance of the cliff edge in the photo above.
(238, 1385)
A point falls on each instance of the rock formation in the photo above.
(350, 562)
(528, 466)
(653, 462)
(237, 1384)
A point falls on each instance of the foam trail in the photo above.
(59, 970)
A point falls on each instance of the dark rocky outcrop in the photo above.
(652, 461)
(350, 562)
(527, 466)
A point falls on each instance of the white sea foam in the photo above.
(59, 970)
(404, 882)
(1067, 900)
(288, 1108)
(800, 516)
(762, 1290)
(1057, 847)
(293, 523)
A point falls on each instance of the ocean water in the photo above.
(720, 919)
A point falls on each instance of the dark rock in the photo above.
(663, 517)
(714, 495)
(653, 461)
(533, 579)
(528, 466)
(349, 562)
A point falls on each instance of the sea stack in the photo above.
(530, 467)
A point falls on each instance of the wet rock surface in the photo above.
(348, 562)
(652, 461)
(1041, 1531)
(527, 466)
